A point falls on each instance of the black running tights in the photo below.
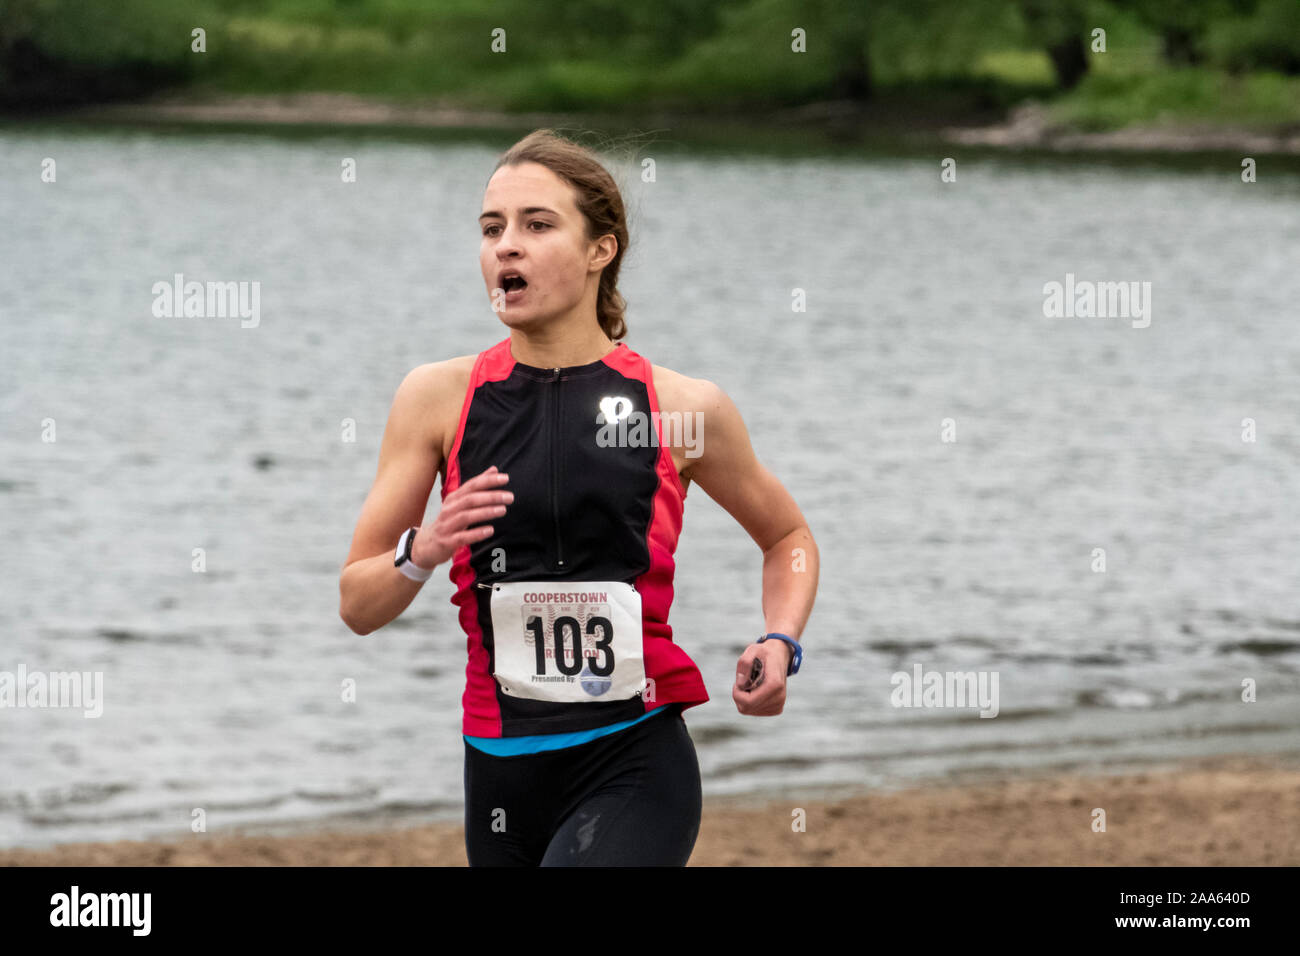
(631, 798)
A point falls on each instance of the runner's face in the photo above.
(531, 223)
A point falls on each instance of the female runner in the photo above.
(565, 458)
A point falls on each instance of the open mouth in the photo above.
(513, 284)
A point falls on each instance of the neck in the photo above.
(545, 349)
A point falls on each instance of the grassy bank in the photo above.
(920, 63)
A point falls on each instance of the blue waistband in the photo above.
(536, 743)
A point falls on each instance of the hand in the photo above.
(482, 497)
(766, 697)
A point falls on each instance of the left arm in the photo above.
(731, 474)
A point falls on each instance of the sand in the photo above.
(1232, 811)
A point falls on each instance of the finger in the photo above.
(776, 688)
(485, 480)
(761, 691)
(456, 502)
(762, 700)
(491, 478)
(489, 481)
(760, 705)
(749, 707)
(744, 666)
(463, 519)
(473, 534)
(749, 670)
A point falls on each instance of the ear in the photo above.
(603, 251)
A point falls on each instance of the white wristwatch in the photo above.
(402, 560)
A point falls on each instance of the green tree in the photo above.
(1185, 26)
(57, 52)
(616, 28)
(1061, 28)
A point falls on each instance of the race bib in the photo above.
(567, 641)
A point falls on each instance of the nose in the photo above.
(507, 241)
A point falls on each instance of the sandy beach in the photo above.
(1231, 811)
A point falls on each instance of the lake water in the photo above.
(924, 302)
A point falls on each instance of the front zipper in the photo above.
(555, 469)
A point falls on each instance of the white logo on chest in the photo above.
(615, 408)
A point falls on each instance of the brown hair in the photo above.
(599, 201)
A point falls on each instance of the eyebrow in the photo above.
(493, 214)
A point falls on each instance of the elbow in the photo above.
(798, 537)
(355, 626)
(804, 535)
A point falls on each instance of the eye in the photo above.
(487, 230)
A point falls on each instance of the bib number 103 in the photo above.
(566, 638)
(570, 641)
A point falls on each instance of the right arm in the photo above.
(372, 591)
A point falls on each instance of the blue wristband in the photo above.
(798, 651)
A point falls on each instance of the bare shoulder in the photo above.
(681, 393)
(436, 391)
(440, 378)
(693, 399)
